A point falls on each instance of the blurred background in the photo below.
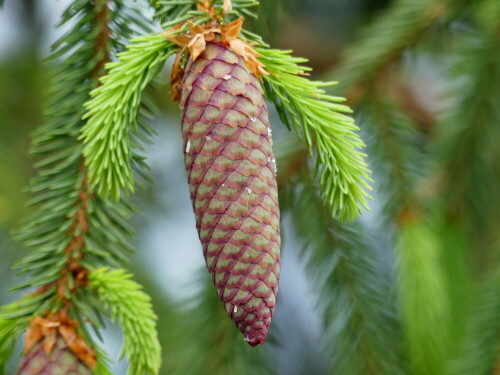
(412, 287)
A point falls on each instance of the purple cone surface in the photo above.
(232, 180)
(61, 361)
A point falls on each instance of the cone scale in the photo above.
(232, 179)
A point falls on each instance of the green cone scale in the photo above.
(232, 179)
(60, 361)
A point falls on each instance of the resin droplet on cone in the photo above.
(60, 361)
(231, 173)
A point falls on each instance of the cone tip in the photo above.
(256, 338)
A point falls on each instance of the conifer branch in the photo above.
(423, 302)
(468, 139)
(384, 41)
(362, 333)
(72, 230)
(392, 145)
(132, 308)
(479, 347)
(111, 134)
(59, 227)
(168, 311)
(303, 104)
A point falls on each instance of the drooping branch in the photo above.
(357, 307)
(331, 134)
(383, 42)
(72, 231)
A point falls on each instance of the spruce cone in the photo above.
(60, 361)
(231, 173)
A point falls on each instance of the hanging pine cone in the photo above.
(232, 180)
(60, 361)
